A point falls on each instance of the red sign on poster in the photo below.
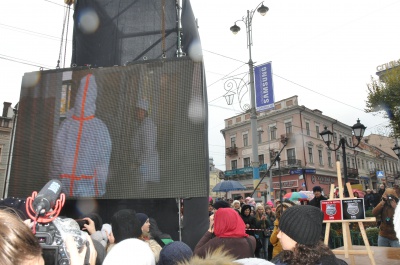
(332, 210)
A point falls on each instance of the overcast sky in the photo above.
(323, 51)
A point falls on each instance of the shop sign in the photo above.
(286, 184)
(322, 179)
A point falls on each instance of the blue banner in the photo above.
(264, 87)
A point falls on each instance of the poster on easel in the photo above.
(353, 209)
(332, 210)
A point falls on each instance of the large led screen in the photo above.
(135, 131)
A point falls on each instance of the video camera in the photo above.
(391, 197)
(51, 236)
(50, 230)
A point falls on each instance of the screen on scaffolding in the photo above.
(135, 131)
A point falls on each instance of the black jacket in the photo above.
(250, 220)
(317, 201)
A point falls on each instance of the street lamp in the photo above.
(253, 114)
(396, 150)
(358, 131)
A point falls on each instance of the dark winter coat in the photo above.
(248, 219)
(317, 201)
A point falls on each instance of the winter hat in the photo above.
(130, 251)
(221, 204)
(142, 218)
(270, 203)
(302, 223)
(317, 188)
(235, 201)
(175, 252)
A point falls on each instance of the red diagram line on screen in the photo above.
(72, 177)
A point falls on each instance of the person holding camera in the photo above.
(385, 212)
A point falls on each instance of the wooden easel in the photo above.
(348, 246)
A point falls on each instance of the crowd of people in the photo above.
(240, 231)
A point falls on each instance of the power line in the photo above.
(32, 32)
(21, 61)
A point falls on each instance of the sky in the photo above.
(325, 52)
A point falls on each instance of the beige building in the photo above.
(215, 178)
(6, 125)
(305, 162)
(380, 158)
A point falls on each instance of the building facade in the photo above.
(6, 125)
(215, 178)
(305, 161)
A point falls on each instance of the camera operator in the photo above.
(384, 212)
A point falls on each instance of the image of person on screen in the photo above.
(82, 148)
(146, 158)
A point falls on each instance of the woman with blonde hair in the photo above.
(263, 224)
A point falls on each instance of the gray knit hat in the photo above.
(175, 252)
(302, 223)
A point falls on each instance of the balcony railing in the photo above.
(291, 163)
(351, 172)
(231, 151)
(243, 171)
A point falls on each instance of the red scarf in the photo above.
(228, 223)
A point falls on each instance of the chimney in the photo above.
(6, 106)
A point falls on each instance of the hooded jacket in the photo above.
(385, 213)
(82, 148)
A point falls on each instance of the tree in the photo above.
(384, 97)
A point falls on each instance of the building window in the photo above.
(321, 162)
(348, 162)
(337, 157)
(308, 128)
(334, 137)
(310, 155)
(362, 163)
(272, 156)
(246, 162)
(259, 134)
(272, 133)
(261, 159)
(350, 142)
(317, 130)
(233, 141)
(245, 139)
(329, 159)
(234, 164)
(353, 163)
(288, 126)
(6, 123)
(358, 163)
(291, 156)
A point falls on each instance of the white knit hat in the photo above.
(130, 251)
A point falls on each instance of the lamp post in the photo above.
(396, 150)
(253, 114)
(358, 131)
